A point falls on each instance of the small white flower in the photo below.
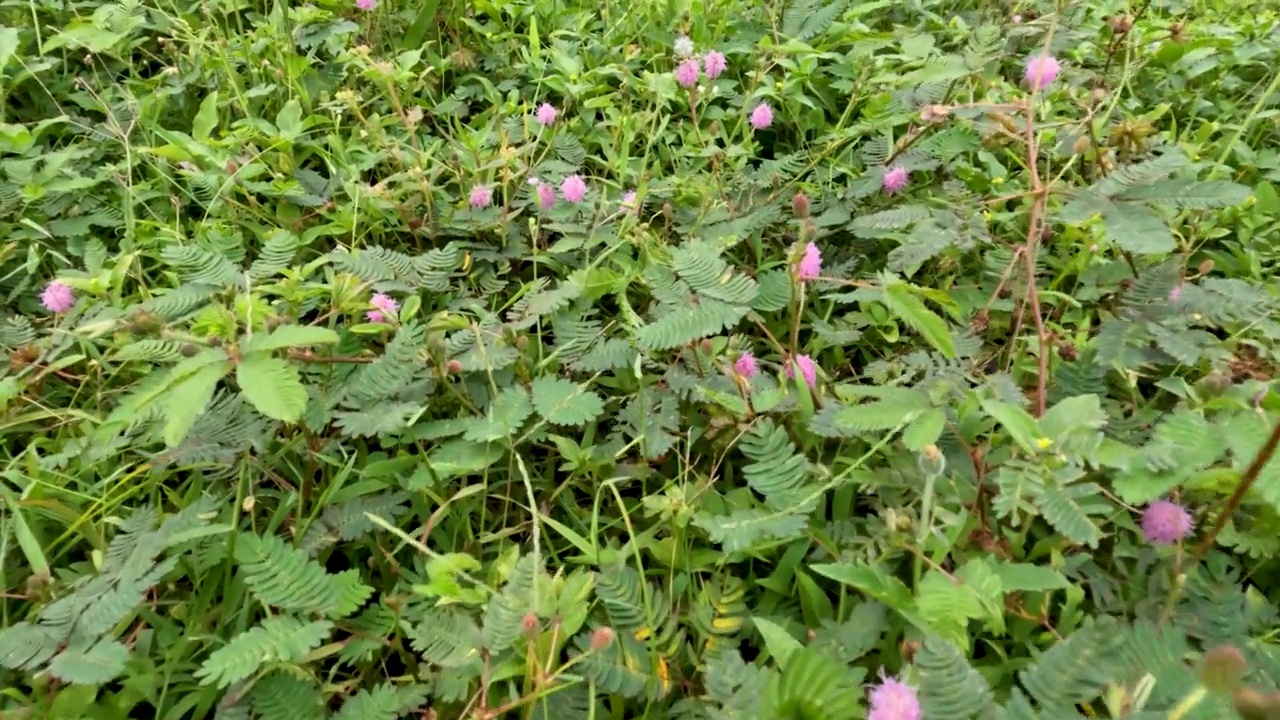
(532, 180)
(683, 46)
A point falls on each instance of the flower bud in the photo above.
(602, 638)
(931, 461)
(800, 205)
(1222, 669)
(529, 625)
(1255, 705)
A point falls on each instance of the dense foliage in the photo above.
(639, 360)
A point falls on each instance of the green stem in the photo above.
(1192, 699)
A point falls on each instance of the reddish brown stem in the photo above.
(1246, 481)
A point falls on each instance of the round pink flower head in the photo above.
(895, 178)
(481, 196)
(1041, 71)
(810, 265)
(384, 303)
(629, 201)
(687, 73)
(573, 188)
(808, 370)
(1165, 522)
(366, 4)
(1175, 293)
(893, 699)
(546, 114)
(745, 367)
(714, 63)
(57, 297)
(546, 196)
(762, 116)
(1017, 19)
(375, 316)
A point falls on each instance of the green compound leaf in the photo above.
(564, 402)
(912, 311)
(272, 386)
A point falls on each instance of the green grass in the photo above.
(538, 487)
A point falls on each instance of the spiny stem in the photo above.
(1246, 481)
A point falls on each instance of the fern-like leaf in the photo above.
(282, 576)
(277, 639)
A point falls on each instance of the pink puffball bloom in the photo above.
(687, 73)
(893, 699)
(546, 114)
(1017, 19)
(714, 63)
(384, 303)
(573, 188)
(366, 4)
(1175, 293)
(546, 196)
(375, 316)
(481, 196)
(745, 367)
(895, 178)
(1041, 71)
(57, 297)
(808, 370)
(810, 265)
(762, 116)
(629, 201)
(1165, 522)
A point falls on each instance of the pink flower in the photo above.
(629, 201)
(808, 370)
(714, 63)
(762, 116)
(1175, 293)
(481, 196)
(366, 4)
(895, 178)
(893, 699)
(375, 316)
(384, 303)
(687, 73)
(546, 196)
(573, 188)
(1041, 71)
(546, 114)
(810, 265)
(1017, 19)
(745, 367)
(57, 297)
(1165, 522)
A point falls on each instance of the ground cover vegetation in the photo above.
(798, 359)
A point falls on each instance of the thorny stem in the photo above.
(1246, 481)
(1250, 475)
(1040, 196)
